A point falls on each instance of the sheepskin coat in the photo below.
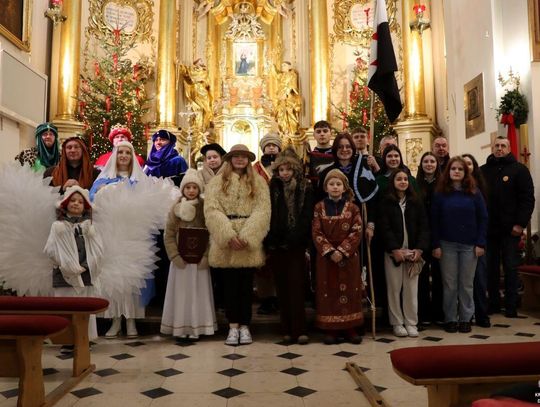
(251, 222)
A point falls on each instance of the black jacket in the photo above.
(281, 234)
(510, 194)
(390, 226)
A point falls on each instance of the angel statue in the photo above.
(288, 104)
(198, 94)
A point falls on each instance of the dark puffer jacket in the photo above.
(510, 194)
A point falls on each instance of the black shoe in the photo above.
(483, 323)
(464, 327)
(451, 327)
(329, 340)
(511, 313)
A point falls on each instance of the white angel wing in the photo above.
(27, 211)
(127, 216)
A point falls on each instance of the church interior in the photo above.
(229, 72)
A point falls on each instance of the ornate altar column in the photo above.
(320, 78)
(65, 78)
(416, 129)
(166, 72)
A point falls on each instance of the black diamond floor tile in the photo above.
(476, 336)
(289, 355)
(506, 325)
(65, 356)
(135, 344)
(122, 356)
(231, 372)
(49, 371)
(168, 372)
(177, 356)
(10, 393)
(106, 372)
(432, 339)
(528, 335)
(536, 323)
(345, 354)
(300, 391)
(228, 392)
(233, 356)
(385, 340)
(380, 389)
(294, 371)
(156, 393)
(87, 392)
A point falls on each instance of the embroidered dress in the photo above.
(339, 286)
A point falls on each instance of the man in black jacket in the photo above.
(510, 206)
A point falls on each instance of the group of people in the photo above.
(436, 240)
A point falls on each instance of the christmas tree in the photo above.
(112, 91)
(357, 113)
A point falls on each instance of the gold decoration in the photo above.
(54, 13)
(135, 17)
(288, 101)
(266, 10)
(413, 151)
(8, 24)
(320, 75)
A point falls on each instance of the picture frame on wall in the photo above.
(245, 58)
(473, 102)
(15, 21)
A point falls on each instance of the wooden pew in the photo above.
(21, 345)
(530, 275)
(459, 374)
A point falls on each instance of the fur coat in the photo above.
(251, 225)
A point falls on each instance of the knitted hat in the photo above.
(44, 127)
(239, 149)
(62, 203)
(335, 173)
(120, 129)
(213, 147)
(270, 138)
(288, 156)
(191, 176)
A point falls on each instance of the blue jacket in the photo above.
(458, 217)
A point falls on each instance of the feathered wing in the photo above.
(127, 216)
(27, 211)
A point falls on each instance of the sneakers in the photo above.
(400, 331)
(411, 331)
(233, 337)
(464, 327)
(245, 335)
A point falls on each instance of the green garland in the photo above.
(513, 101)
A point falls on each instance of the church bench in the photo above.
(530, 275)
(21, 345)
(76, 309)
(458, 374)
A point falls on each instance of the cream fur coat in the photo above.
(252, 229)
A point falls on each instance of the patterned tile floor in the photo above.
(156, 371)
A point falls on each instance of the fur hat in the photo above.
(335, 173)
(270, 138)
(288, 156)
(120, 129)
(192, 176)
(239, 149)
(62, 203)
(213, 147)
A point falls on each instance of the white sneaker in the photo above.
(115, 328)
(400, 331)
(232, 337)
(412, 331)
(131, 328)
(245, 335)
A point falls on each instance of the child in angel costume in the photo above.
(75, 249)
(188, 310)
(123, 172)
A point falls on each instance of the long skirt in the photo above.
(188, 308)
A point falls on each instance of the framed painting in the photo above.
(15, 21)
(473, 101)
(245, 58)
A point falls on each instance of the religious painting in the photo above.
(14, 22)
(245, 58)
(473, 101)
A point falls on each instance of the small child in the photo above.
(270, 146)
(337, 231)
(188, 310)
(290, 226)
(75, 248)
(321, 156)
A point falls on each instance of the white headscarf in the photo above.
(110, 171)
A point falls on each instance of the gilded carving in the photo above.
(413, 151)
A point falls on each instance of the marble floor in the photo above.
(156, 371)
